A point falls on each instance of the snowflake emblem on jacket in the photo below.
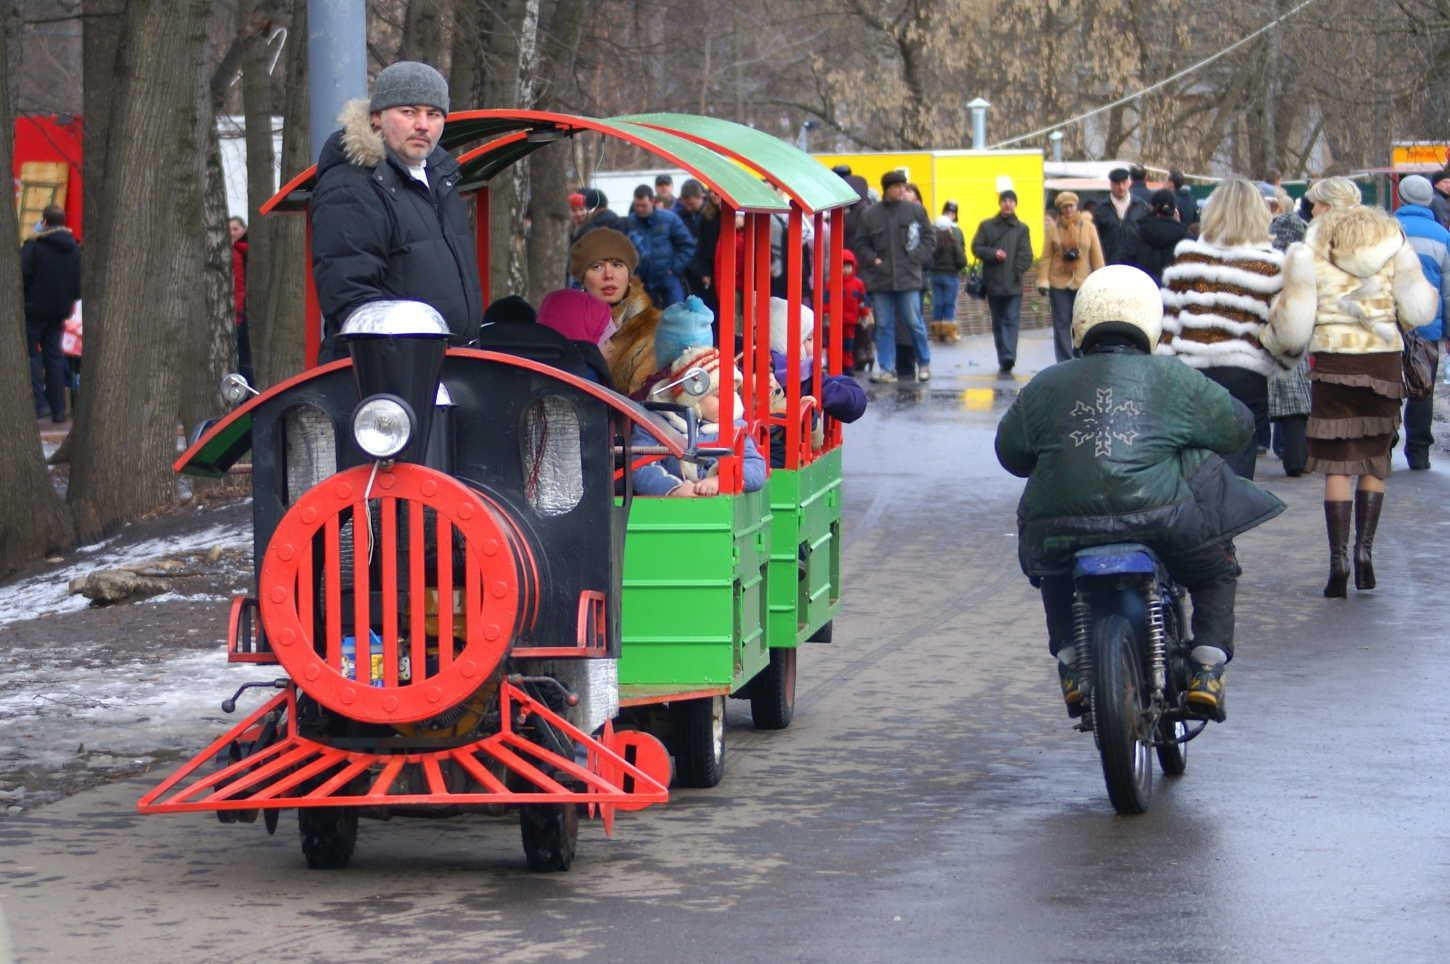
(1103, 422)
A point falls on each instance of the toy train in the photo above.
(470, 608)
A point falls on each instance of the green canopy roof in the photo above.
(803, 177)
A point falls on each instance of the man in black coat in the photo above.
(387, 221)
(50, 264)
(1117, 219)
(1004, 246)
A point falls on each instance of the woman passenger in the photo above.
(604, 261)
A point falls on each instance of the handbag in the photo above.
(1421, 357)
(976, 286)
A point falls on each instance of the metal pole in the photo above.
(978, 108)
(1056, 138)
(337, 62)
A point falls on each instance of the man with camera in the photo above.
(1004, 246)
(1072, 252)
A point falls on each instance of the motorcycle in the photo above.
(1128, 622)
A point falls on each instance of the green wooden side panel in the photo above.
(818, 188)
(805, 507)
(694, 605)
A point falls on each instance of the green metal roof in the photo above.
(713, 169)
(803, 177)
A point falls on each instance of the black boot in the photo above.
(1366, 520)
(1336, 521)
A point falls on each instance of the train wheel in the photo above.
(822, 635)
(699, 742)
(772, 693)
(551, 835)
(329, 835)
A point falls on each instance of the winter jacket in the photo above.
(1114, 233)
(1009, 234)
(1350, 287)
(1152, 248)
(1440, 204)
(900, 234)
(1187, 206)
(1432, 243)
(1116, 448)
(1216, 304)
(379, 233)
(666, 248)
(663, 476)
(950, 256)
(50, 264)
(1080, 236)
(599, 218)
(239, 278)
(631, 349)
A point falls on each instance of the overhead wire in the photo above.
(1164, 82)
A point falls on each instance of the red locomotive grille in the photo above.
(391, 594)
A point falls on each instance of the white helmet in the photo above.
(1118, 293)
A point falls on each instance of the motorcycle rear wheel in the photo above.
(1118, 719)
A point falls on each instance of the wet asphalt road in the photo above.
(930, 801)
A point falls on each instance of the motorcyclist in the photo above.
(1118, 445)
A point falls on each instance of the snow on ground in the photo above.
(48, 592)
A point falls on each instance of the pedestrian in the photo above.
(50, 267)
(1187, 204)
(237, 229)
(894, 245)
(1287, 226)
(1289, 390)
(387, 219)
(1117, 219)
(1432, 243)
(703, 222)
(1138, 176)
(947, 265)
(665, 245)
(858, 208)
(1158, 234)
(664, 196)
(1440, 201)
(1350, 287)
(596, 214)
(1216, 297)
(1070, 253)
(1004, 246)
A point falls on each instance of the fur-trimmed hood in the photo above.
(1358, 240)
(361, 145)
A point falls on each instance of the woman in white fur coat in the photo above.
(1216, 297)
(1350, 288)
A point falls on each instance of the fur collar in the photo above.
(362, 145)
(1223, 252)
(1359, 241)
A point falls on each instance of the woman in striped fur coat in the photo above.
(1216, 296)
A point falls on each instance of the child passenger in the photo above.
(1119, 445)
(674, 477)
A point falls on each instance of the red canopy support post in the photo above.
(838, 311)
(481, 209)
(793, 241)
(312, 311)
(818, 295)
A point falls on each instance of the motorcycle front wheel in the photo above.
(1118, 718)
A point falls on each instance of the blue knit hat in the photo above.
(685, 324)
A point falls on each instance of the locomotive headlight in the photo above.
(382, 425)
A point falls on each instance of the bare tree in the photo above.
(33, 521)
(128, 412)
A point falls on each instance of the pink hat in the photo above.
(575, 314)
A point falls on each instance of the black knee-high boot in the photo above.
(1336, 521)
(1366, 520)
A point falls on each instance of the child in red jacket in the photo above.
(856, 317)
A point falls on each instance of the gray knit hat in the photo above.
(1417, 190)
(409, 83)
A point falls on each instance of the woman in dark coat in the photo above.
(1158, 233)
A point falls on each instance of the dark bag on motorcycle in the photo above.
(1421, 356)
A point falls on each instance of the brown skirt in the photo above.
(1354, 412)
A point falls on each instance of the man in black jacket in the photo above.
(1117, 219)
(50, 264)
(1004, 246)
(387, 221)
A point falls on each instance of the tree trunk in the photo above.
(255, 24)
(276, 315)
(548, 168)
(33, 520)
(128, 410)
(423, 31)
